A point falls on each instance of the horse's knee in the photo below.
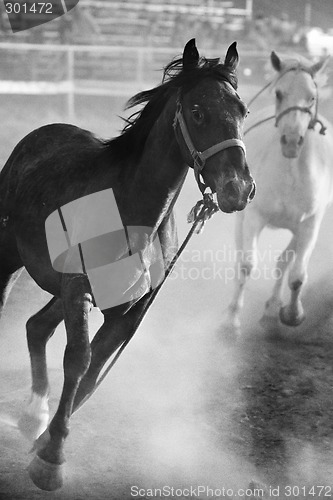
(296, 285)
(78, 352)
(244, 269)
(247, 268)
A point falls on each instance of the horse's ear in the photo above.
(276, 61)
(319, 66)
(190, 55)
(231, 58)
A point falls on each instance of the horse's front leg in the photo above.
(115, 330)
(293, 314)
(46, 468)
(248, 228)
(270, 318)
(119, 326)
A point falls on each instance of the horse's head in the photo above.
(296, 98)
(208, 127)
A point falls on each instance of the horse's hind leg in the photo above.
(306, 237)
(40, 328)
(45, 469)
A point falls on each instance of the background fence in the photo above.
(91, 70)
(70, 70)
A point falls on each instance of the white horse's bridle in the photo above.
(200, 157)
(305, 109)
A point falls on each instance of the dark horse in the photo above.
(196, 104)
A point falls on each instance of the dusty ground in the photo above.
(184, 407)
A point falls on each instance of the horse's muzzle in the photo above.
(235, 195)
(291, 146)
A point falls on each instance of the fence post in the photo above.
(140, 67)
(71, 90)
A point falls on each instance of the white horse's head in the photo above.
(296, 98)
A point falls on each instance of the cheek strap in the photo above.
(199, 157)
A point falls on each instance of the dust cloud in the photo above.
(183, 406)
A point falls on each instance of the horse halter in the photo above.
(200, 157)
(305, 109)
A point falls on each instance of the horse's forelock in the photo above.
(174, 73)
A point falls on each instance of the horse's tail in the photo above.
(6, 200)
(10, 260)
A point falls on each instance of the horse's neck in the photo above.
(160, 173)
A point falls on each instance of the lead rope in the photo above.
(198, 216)
(254, 98)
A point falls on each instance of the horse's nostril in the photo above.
(231, 188)
(301, 140)
(252, 192)
(283, 139)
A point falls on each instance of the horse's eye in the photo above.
(279, 95)
(197, 114)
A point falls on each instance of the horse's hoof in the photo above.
(46, 476)
(229, 334)
(32, 426)
(291, 319)
(270, 324)
(257, 490)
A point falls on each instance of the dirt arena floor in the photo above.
(184, 407)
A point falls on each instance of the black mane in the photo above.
(132, 139)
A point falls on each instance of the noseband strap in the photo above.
(199, 157)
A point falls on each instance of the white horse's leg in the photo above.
(293, 313)
(248, 229)
(273, 305)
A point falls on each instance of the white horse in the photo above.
(291, 154)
